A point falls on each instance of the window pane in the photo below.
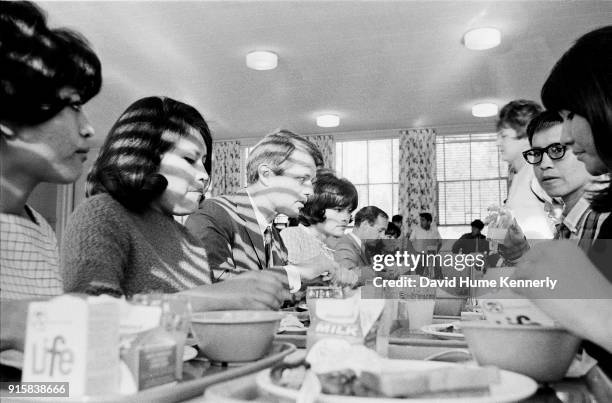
(379, 161)
(484, 160)
(354, 156)
(339, 158)
(362, 194)
(380, 196)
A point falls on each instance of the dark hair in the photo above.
(478, 224)
(517, 114)
(426, 216)
(581, 82)
(397, 217)
(276, 148)
(37, 62)
(369, 214)
(543, 121)
(393, 230)
(329, 191)
(128, 164)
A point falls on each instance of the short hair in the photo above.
(426, 216)
(397, 218)
(128, 164)
(369, 214)
(276, 148)
(329, 191)
(580, 82)
(543, 121)
(393, 230)
(477, 224)
(37, 62)
(517, 114)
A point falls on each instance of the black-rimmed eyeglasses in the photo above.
(555, 151)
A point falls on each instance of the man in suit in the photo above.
(350, 252)
(238, 229)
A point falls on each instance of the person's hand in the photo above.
(317, 266)
(515, 244)
(252, 290)
(345, 277)
(580, 301)
(564, 261)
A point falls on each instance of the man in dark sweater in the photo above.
(472, 241)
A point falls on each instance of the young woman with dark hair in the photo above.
(46, 76)
(325, 215)
(124, 240)
(580, 89)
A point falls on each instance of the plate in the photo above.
(511, 388)
(12, 358)
(437, 330)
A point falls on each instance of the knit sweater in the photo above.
(110, 249)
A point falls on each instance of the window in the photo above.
(471, 177)
(373, 167)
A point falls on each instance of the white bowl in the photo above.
(543, 353)
(235, 336)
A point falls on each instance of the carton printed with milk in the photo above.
(74, 339)
(342, 314)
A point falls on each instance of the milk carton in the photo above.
(74, 339)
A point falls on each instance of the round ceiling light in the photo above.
(484, 110)
(482, 38)
(262, 60)
(328, 120)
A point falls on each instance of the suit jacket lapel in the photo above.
(360, 250)
(245, 211)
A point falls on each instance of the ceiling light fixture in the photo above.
(262, 60)
(482, 38)
(484, 110)
(328, 120)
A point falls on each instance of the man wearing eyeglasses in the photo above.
(526, 199)
(238, 229)
(562, 175)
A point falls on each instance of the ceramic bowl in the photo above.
(543, 353)
(235, 336)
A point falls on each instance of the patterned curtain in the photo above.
(327, 146)
(417, 177)
(225, 175)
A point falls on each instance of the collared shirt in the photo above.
(29, 257)
(261, 219)
(355, 238)
(293, 275)
(574, 219)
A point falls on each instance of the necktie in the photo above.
(268, 246)
(273, 245)
(562, 231)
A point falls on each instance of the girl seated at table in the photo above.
(123, 239)
(325, 215)
(46, 76)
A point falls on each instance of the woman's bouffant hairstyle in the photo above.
(128, 164)
(329, 191)
(37, 62)
(581, 82)
(517, 114)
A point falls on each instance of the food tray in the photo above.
(197, 376)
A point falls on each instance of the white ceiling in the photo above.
(379, 65)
